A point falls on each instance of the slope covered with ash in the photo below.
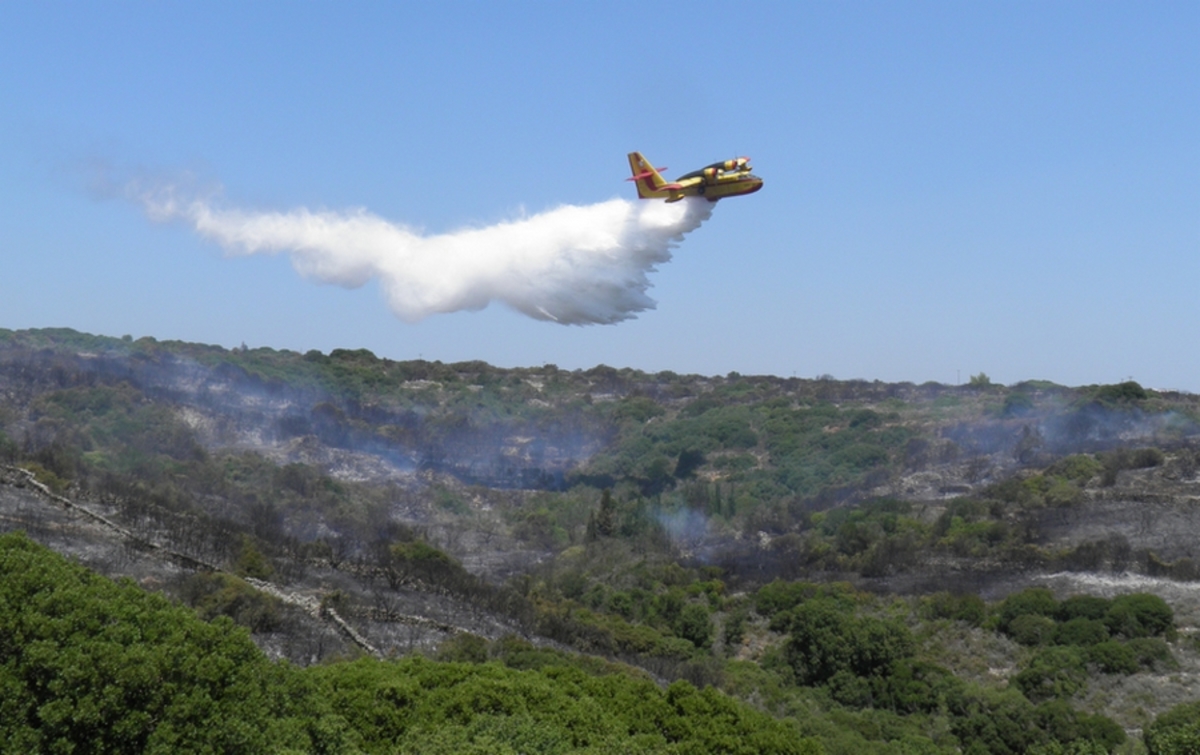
(504, 467)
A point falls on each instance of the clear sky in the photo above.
(950, 187)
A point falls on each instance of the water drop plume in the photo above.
(574, 265)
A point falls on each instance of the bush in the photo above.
(1144, 458)
(88, 665)
(1113, 657)
(1083, 607)
(1031, 629)
(694, 625)
(1080, 733)
(1080, 632)
(251, 562)
(849, 689)
(996, 722)
(676, 648)
(943, 605)
(1176, 732)
(463, 648)
(826, 640)
(1124, 458)
(214, 595)
(1053, 672)
(1037, 601)
(1078, 468)
(780, 596)
(1139, 615)
(1152, 652)
(1120, 393)
(917, 687)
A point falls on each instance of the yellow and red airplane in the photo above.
(729, 178)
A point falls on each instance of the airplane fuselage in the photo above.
(729, 178)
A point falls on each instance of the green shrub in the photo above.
(1063, 493)
(826, 640)
(695, 625)
(1053, 672)
(1144, 458)
(1075, 732)
(214, 595)
(1139, 615)
(48, 478)
(463, 648)
(995, 722)
(1078, 468)
(1113, 657)
(1037, 601)
(944, 605)
(1176, 732)
(914, 686)
(88, 665)
(849, 689)
(676, 648)
(1153, 653)
(251, 562)
(622, 604)
(1031, 629)
(1120, 393)
(1080, 631)
(1124, 458)
(779, 596)
(1083, 607)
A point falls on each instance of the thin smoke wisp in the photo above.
(574, 265)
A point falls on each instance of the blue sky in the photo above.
(951, 188)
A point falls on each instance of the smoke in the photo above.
(574, 265)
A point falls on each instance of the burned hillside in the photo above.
(339, 504)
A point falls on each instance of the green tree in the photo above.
(825, 640)
(1139, 615)
(606, 517)
(1036, 601)
(1176, 732)
(87, 665)
(1054, 672)
(251, 562)
(695, 625)
(980, 381)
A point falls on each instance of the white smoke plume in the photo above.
(571, 265)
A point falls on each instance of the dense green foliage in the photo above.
(1176, 732)
(420, 706)
(92, 666)
(87, 665)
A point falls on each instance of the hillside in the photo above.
(702, 528)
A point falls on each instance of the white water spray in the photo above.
(571, 265)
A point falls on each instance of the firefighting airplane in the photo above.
(730, 178)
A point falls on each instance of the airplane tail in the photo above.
(649, 181)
